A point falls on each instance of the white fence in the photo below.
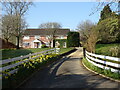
(104, 62)
(22, 59)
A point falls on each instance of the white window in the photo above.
(26, 44)
(61, 37)
(64, 45)
(47, 43)
(26, 37)
(37, 37)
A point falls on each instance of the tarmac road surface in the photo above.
(68, 73)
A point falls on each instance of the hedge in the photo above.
(73, 39)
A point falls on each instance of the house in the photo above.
(36, 38)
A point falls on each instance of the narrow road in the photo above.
(68, 73)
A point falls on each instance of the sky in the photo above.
(68, 14)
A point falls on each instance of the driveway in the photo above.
(68, 73)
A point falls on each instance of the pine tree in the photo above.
(105, 13)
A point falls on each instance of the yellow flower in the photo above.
(6, 77)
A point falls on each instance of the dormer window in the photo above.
(26, 37)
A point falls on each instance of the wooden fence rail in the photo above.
(104, 62)
(21, 60)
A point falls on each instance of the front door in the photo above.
(36, 44)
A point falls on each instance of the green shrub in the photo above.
(115, 51)
(73, 39)
(43, 46)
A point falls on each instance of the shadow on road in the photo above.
(48, 78)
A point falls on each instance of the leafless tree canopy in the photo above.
(15, 7)
(84, 28)
(6, 27)
(49, 25)
(111, 3)
(10, 25)
(88, 35)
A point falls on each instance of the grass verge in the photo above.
(105, 49)
(11, 53)
(108, 73)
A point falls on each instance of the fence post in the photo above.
(30, 56)
(57, 50)
(84, 54)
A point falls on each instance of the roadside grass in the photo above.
(11, 53)
(105, 49)
(107, 73)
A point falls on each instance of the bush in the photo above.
(109, 30)
(73, 39)
(115, 51)
(43, 46)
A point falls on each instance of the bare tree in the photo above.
(84, 29)
(0, 26)
(10, 25)
(6, 27)
(88, 35)
(92, 40)
(15, 7)
(50, 25)
(51, 28)
(19, 25)
(111, 3)
(18, 9)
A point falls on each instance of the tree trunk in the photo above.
(53, 43)
(7, 43)
(50, 44)
(17, 47)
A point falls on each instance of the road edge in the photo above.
(99, 73)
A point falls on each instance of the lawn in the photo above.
(105, 49)
(64, 50)
(11, 53)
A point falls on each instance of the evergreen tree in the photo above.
(105, 13)
(108, 26)
(73, 39)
